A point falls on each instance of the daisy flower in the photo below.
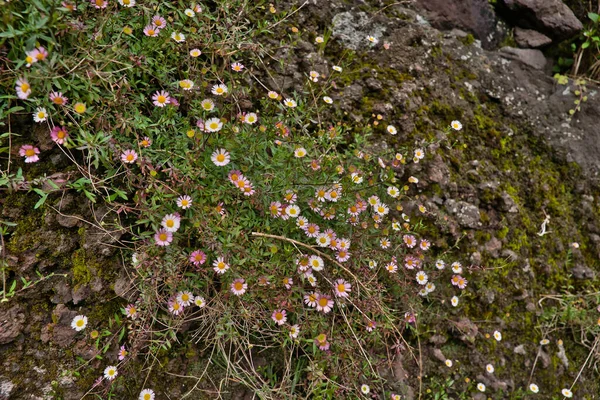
(300, 152)
(322, 341)
(220, 157)
(250, 118)
(58, 98)
(186, 84)
(421, 278)
(237, 67)
(534, 388)
(40, 114)
(171, 222)
(454, 301)
(273, 95)
(456, 125)
(393, 191)
(287, 282)
(337, 68)
(310, 299)
(409, 241)
(327, 99)
(342, 288)
(316, 263)
(419, 154)
(391, 267)
(213, 125)
(356, 178)
(440, 264)
(462, 282)
(199, 301)
(151, 30)
(161, 98)
(324, 303)
(178, 37)
(146, 394)
(22, 88)
(497, 335)
(163, 237)
(294, 331)
(129, 156)
(567, 393)
(448, 363)
(220, 266)
(79, 323)
(382, 209)
(159, 22)
(290, 103)
(371, 325)
(290, 196)
(412, 179)
(293, 211)
(239, 286)
(430, 287)
(175, 307)
(110, 372)
(98, 4)
(319, 39)
(79, 107)
(544, 342)
(323, 240)
(184, 202)
(384, 243)
(456, 267)
(127, 3)
(279, 316)
(489, 368)
(207, 105)
(481, 387)
(189, 12)
(365, 389)
(372, 39)
(131, 311)
(392, 130)
(30, 153)
(122, 353)
(185, 298)
(219, 90)
(195, 53)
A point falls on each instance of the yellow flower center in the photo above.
(39, 56)
(341, 288)
(132, 311)
(278, 316)
(147, 396)
(80, 323)
(24, 87)
(79, 108)
(161, 99)
(29, 59)
(221, 265)
(323, 301)
(41, 114)
(60, 134)
(221, 157)
(219, 90)
(214, 125)
(241, 184)
(170, 223)
(163, 237)
(176, 306)
(151, 32)
(238, 285)
(185, 297)
(184, 203)
(129, 157)
(29, 152)
(158, 22)
(126, 1)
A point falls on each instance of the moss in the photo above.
(468, 40)
(82, 273)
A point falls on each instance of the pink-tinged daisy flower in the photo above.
(310, 278)
(161, 98)
(303, 263)
(99, 4)
(185, 298)
(391, 267)
(250, 118)
(312, 230)
(294, 331)
(462, 282)
(219, 90)
(146, 142)
(129, 156)
(239, 286)
(178, 37)
(385, 243)
(323, 240)
(322, 342)
(273, 95)
(248, 189)
(411, 262)
(220, 158)
(342, 256)
(324, 303)
(410, 241)
(371, 325)
(131, 311)
(290, 196)
(151, 31)
(279, 316)
(40, 114)
(425, 244)
(30, 153)
(159, 22)
(198, 257)
(410, 318)
(274, 209)
(171, 222)
(310, 299)
(342, 288)
(234, 175)
(30, 57)
(381, 209)
(110, 372)
(175, 307)
(127, 3)
(220, 209)
(421, 278)
(457, 267)
(207, 105)
(287, 282)
(58, 98)
(184, 202)
(59, 134)
(22, 88)
(237, 67)
(147, 394)
(220, 266)
(213, 125)
(122, 353)
(69, 6)
(195, 53)
(163, 237)
(316, 263)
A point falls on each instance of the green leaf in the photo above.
(585, 45)
(594, 17)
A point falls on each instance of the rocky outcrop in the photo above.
(551, 17)
(528, 38)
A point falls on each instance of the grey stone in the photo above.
(582, 271)
(467, 215)
(520, 349)
(352, 29)
(529, 38)
(531, 57)
(11, 323)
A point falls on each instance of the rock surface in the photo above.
(529, 38)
